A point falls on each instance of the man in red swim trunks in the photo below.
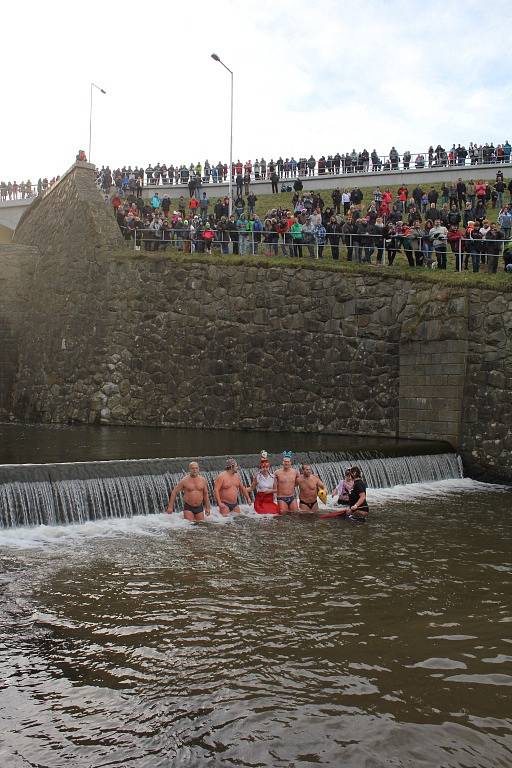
(195, 495)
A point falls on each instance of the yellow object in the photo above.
(322, 495)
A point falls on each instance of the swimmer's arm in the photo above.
(206, 499)
(252, 486)
(356, 507)
(216, 489)
(245, 491)
(172, 498)
(276, 480)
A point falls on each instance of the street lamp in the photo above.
(93, 85)
(230, 175)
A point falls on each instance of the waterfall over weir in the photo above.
(57, 494)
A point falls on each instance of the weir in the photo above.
(60, 494)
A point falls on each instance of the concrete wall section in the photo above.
(487, 424)
(423, 176)
(433, 351)
(11, 211)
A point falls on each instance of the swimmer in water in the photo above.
(343, 488)
(263, 484)
(195, 495)
(358, 510)
(285, 481)
(227, 488)
(309, 486)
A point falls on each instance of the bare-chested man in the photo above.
(195, 495)
(285, 481)
(227, 487)
(309, 485)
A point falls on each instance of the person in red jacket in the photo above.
(208, 234)
(403, 193)
(116, 202)
(480, 190)
(454, 238)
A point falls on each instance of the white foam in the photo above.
(438, 488)
(33, 537)
(160, 524)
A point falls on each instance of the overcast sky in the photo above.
(310, 77)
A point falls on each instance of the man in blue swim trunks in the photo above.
(228, 486)
(285, 481)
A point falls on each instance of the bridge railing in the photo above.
(360, 248)
(377, 164)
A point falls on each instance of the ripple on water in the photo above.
(440, 664)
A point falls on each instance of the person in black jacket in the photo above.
(461, 193)
(453, 217)
(433, 197)
(356, 196)
(336, 199)
(494, 240)
(233, 233)
(334, 232)
(468, 215)
(378, 233)
(348, 230)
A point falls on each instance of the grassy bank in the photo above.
(284, 199)
(502, 281)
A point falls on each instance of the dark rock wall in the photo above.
(64, 328)
(17, 264)
(487, 406)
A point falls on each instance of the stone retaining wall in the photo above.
(17, 264)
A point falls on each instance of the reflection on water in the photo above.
(47, 443)
(263, 642)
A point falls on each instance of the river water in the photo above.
(47, 443)
(149, 642)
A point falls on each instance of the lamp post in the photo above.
(230, 172)
(93, 85)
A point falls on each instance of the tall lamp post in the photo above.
(230, 172)
(93, 85)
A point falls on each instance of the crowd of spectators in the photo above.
(362, 161)
(423, 223)
(11, 190)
